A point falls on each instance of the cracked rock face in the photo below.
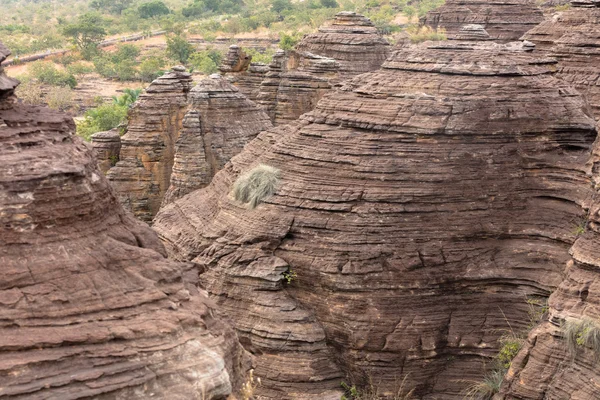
(573, 38)
(504, 20)
(419, 206)
(89, 305)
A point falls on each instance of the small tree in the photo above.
(86, 33)
(153, 9)
(287, 42)
(279, 6)
(179, 49)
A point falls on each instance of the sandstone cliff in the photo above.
(178, 138)
(142, 176)
(419, 206)
(89, 306)
(244, 74)
(573, 37)
(220, 122)
(504, 20)
(107, 147)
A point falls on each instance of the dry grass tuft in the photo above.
(583, 332)
(256, 185)
(487, 388)
(418, 34)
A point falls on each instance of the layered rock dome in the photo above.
(89, 305)
(178, 138)
(419, 206)
(572, 36)
(504, 20)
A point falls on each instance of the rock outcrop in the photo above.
(142, 176)
(89, 306)
(418, 207)
(350, 39)
(244, 74)
(295, 81)
(107, 147)
(503, 20)
(178, 138)
(573, 37)
(220, 122)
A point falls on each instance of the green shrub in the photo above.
(153, 9)
(511, 345)
(287, 42)
(46, 72)
(79, 68)
(179, 49)
(206, 61)
(265, 57)
(151, 68)
(100, 119)
(256, 185)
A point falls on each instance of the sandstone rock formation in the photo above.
(352, 40)
(294, 82)
(220, 122)
(142, 176)
(573, 37)
(178, 137)
(107, 146)
(503, 20)
(244, 74)
(89, 306)
(419, 206)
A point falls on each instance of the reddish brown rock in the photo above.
(243, 73)
(573, 37)
(221, 121)
(504, 20)
(107, 146)
(350, 39)
(142, 176)
(89, 306)
(419, 206)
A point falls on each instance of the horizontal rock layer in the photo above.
(220, 122)
(504, 20)
(419, 206)
(107, 147)
(573, 37)
(143, 174)
(89, 306)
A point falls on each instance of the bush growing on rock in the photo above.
(255, 186)
(583, 332)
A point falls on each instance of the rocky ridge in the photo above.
(503, 20)
(422, 148)
(89, 305)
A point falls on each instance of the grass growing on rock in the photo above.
(583, 332)
(255, 186)
(485, 389)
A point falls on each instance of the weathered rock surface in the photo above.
(142, 176)
(419, 205)
(107, 146)
(352, 40)
(220, 122)
(89, 306)
(573, 37)
(294, 82)
(504, 20)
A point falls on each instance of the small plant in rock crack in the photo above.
(289, 276)
(113, 160)
(583, 332)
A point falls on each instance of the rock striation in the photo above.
(107, 147)
(244, 74)
(352, 40)
(89, 306)
(573, 37)
(178, 138)
(142, 176)
(503, 20)
(220, 122)
(295, 81)
(417, 209)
